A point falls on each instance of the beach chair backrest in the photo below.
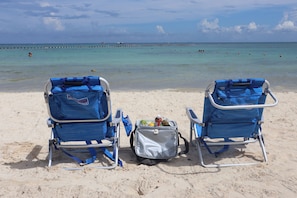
(78, 99)
(225, 123)
(81, 107)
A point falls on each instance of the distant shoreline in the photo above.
(147, 43)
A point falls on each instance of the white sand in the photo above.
(24, 140)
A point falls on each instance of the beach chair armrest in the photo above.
(192, 116)
(118, 117)
(50, 123)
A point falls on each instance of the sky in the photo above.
(146, 21)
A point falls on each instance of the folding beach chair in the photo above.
(232, 116)
(81, 120)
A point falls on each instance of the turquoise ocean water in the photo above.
(148, 66)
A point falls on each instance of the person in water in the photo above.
(30, 54)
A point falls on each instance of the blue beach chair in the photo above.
(81, 120)
(232, 116)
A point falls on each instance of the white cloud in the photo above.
(252, 26)
(210, 26)
(213, 26)
(53, 22)
(238, 29)
(160, 29)
(287, 23)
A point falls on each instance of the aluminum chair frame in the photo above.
(194, 121)
(110, 142)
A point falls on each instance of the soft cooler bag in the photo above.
(152, 144)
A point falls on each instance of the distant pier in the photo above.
(61, 46)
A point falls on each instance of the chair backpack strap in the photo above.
(111, 156)
(216, 153)
(186, 145)
(80, 161)
(93, 154)
(93, 157)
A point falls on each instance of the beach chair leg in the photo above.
(191, 133)
(224, 165)
(50, 153)
(116, 159)
(200, 154)
(261, 142)
(116, 146)
(192, 130)
(198, 143)
(201, 158)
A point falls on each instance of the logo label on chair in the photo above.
(81, 101)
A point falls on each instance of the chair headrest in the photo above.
(240, 83)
